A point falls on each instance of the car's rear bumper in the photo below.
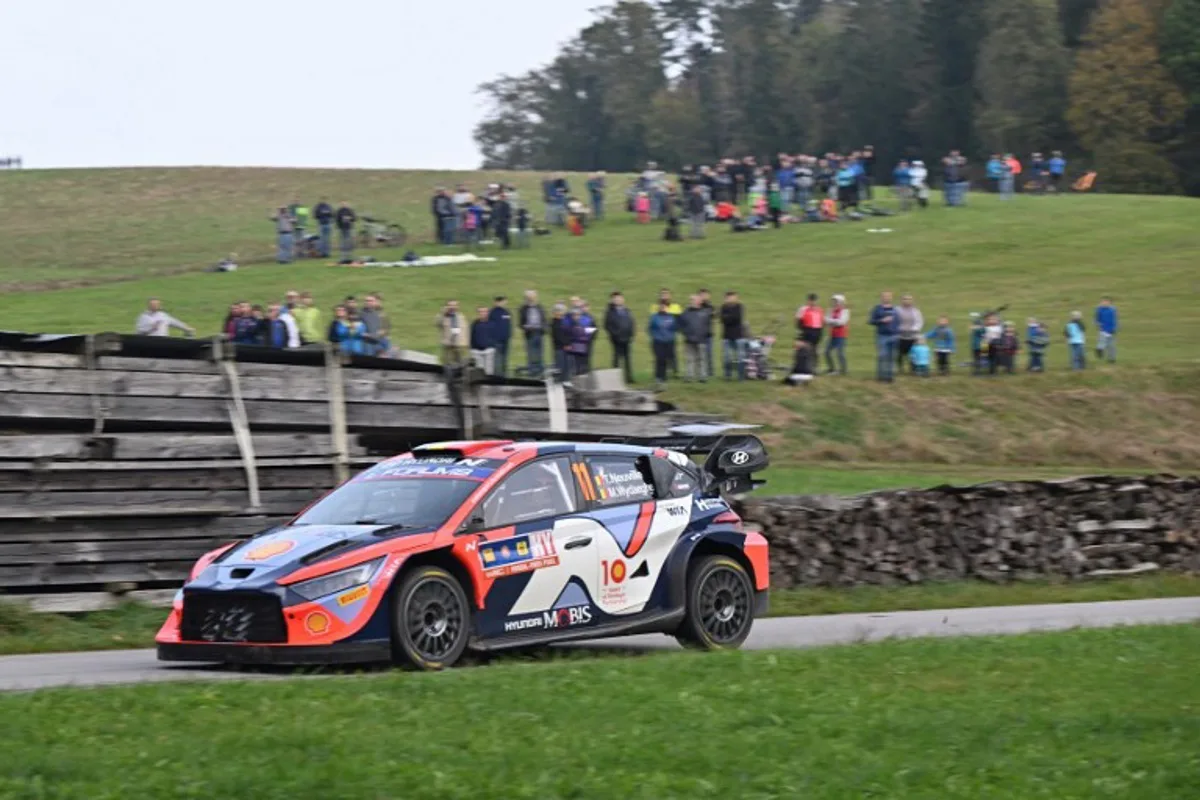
(285, 655)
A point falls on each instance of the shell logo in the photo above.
(270, 550)
(316, 623)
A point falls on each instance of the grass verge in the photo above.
(134, 626)
(1080, 714)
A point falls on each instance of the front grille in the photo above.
(232, 617)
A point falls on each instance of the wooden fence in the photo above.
(122, 459)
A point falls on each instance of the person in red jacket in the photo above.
(810, 320)
(838, 321)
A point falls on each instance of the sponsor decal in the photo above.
(389, 571)
(739, 457)
(269, 550)
(316, 623)
(620, 485)
(613, 575)
(710, 504)
(551, 620)
(518, 554)
(353, 596)
(424, 469)
(676, 511)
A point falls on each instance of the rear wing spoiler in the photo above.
(732, 457)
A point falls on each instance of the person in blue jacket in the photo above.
(941, 338)
(887, 326)
(902, 184)
(1076, 340)
(1057, 167)
(1106, 326)
(663, 327)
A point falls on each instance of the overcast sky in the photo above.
(300, 83)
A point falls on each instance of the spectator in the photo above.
(522, 227)
(245, 325)
(918, 176)
(156, 322)
(452, 325)
(847, 186)
(978, 334)
(262, 331)
(345, 331)
(483, 351)
(308, 319)
(532, 319)
(675, 310)
(954, 179)
(995, 168)
(560, 338)
(1076, 340)
(1106, 330)
(733, 339)
(595, 187)
(993, 330)
(280, 334)
(324, 216)
(502, 220)
(694, 325)
(580, 330)
(804, 180)
(472, 224)
(1056, 167)
(902, 184)
(810, 322)
(1014, 170)
(376, 327)
(911, 323)
(697, 212)
(838, 321)
(662, 328)
(351, 304)
(299, 213)
(1006, 348)
(446, 215)
(802, 364)
(227, 327)
(500, 319)
(560, 190)
(620, 327)
(918, 354)
(1037, 340)
(866, 171)
(706, 304)
(285, 230)
(942, 339)
(345, 219)
(885, 319)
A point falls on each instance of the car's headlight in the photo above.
(338, 581)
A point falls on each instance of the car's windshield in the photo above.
(411, 502)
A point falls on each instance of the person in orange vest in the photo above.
(810, 320)
(1009, 179)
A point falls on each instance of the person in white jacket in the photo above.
(919, 176)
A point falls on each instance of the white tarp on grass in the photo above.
(425, 261)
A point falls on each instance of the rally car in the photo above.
(487, 545)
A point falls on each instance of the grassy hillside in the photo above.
(122, 231)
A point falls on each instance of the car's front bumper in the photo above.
(283, 655)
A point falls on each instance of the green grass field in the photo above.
(121, 236)
(1082, 714)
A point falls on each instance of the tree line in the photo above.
(1115, 84)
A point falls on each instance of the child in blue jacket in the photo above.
(942, 340)
(919, 356)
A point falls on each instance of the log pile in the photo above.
(122, 459)
(1000, 532)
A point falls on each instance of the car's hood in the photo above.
(292, 544)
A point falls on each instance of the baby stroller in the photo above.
(756, 361)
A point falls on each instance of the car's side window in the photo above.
(683, 483)
(541, 489)
(613, 480)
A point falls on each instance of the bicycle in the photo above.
(379, 232)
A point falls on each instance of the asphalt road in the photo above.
(139, 666)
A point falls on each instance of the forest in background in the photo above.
(1115, 84)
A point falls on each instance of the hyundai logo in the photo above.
(739, 457)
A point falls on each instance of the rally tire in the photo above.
(431, 620)
(720, 605)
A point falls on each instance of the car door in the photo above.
(532, 554)
(639, 529)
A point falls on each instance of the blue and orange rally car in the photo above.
(487, 545)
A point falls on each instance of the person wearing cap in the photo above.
(838, 321)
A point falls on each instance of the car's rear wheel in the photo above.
(720, 605)
(431, 620)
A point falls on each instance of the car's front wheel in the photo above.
(720, 605)
(431, 619)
